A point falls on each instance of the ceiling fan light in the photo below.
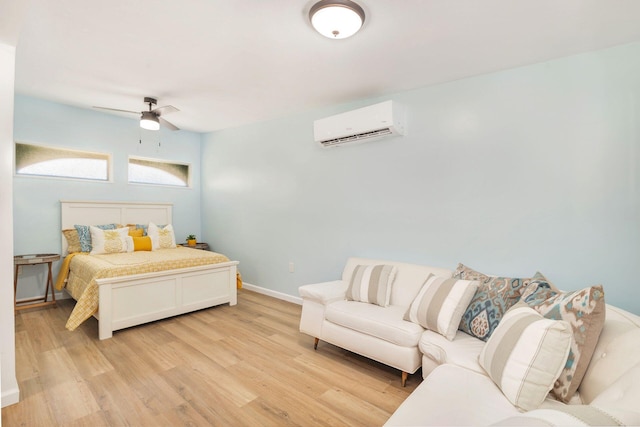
(149, 121)
(336, 19)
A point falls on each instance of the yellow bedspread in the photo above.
(82, 270)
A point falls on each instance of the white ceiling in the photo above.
(226, 63)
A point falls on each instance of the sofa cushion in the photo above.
(573, 415)
(453, 396)
(624, 393)
(525, 355)
(385, 323)
(618, 348)
(462, 351)
(495, 295)
(372, 284)
(584, 310)
(440, 304)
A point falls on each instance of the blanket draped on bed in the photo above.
(81, 270)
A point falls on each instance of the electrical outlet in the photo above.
(291, 267)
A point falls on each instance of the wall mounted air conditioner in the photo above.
(364, 124)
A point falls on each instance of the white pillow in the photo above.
(130, 245)
(371, 284)
(440, 304)
(525, 355)
(108, 241)
(161, 237)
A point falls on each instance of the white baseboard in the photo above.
(271, 293)
(59, 295)
(10, 397)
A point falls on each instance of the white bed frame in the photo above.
(136, 299)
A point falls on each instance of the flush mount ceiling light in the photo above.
(149, 121)
(336, 19)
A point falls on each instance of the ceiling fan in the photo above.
(151, 119)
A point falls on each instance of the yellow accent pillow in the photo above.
(142, 243)
(136, 232)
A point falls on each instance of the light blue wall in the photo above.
(534, 168)
(36, 211)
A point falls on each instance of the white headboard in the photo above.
(97, 212)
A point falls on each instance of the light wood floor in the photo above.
(242, 365)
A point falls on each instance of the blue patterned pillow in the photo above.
(585, 311)
(494, 297)
(538, 291)
(85, 235)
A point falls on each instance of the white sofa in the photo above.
(456, 390)
(611, 384)
(379, 333)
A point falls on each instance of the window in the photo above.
(37, 160)
(160, 172)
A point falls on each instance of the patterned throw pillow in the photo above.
(371, 284)
(495, 295)
(108, 241)
(538, 290)
(525, 355)
(73, 240)
(440, 304)
(584, 310)
(162, 237)
(468, 273)
(84, 235)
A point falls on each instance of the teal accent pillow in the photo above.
(494, 297)
(585, 311)
(538, 291)
(85, 235)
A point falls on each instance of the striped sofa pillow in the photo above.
(525, 355)
(371, 284)
(440, 304)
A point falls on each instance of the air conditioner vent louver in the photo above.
(364, 124)
(360, 136)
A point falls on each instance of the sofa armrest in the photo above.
(324, 293)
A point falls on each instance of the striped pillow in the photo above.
(371, 284)
(440, 304)
(525, 355)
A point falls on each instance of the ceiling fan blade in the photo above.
(116, 109)
(161, 111)
(168, 124)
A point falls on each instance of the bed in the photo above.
(124, 299)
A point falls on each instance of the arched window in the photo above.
(158, 172)
(37, 160)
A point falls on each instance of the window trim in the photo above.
(109, 158)
(189, 166)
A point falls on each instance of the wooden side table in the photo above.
(34, 259)
(199, 245)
